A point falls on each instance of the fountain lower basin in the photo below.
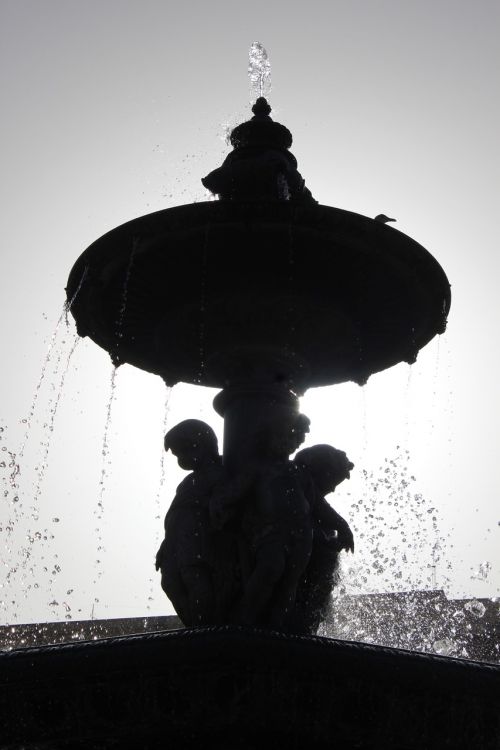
(237, 688)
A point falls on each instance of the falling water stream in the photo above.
(19, 492)
(434, 387)
(105, 460)
(159, 494)
(58, 390)
(105, 463)
(28, 421)
(23, 499)
(62, 317)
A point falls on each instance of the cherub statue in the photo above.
(258, 547)
(187, 557)
(276, 527)
(327, 467)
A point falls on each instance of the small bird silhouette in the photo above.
(383, 218)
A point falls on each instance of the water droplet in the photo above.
(475, 607)
(444, 647)
(483, 571)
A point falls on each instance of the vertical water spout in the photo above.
(259, 70)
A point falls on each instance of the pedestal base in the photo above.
(242, 689)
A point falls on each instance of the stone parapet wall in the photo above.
(242, 688)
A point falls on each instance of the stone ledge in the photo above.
(241, 688)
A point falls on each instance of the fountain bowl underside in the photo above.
(340, 295)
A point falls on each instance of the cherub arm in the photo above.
(332, 521)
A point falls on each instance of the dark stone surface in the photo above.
(175, 291)
(236, 688)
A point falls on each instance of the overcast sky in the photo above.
(114, 109)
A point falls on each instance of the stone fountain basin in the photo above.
(175, 290)
(242, 689)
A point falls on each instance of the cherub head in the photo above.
(328, 466)
(300, 429)
(281, 437)
(194, 444)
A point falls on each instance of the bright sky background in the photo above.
(114, 109)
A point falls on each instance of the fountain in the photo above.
(263, 294)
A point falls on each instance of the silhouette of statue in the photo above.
(327, 467)
(260, 167)
(276, 527)
(259, 546)
(192, 557)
